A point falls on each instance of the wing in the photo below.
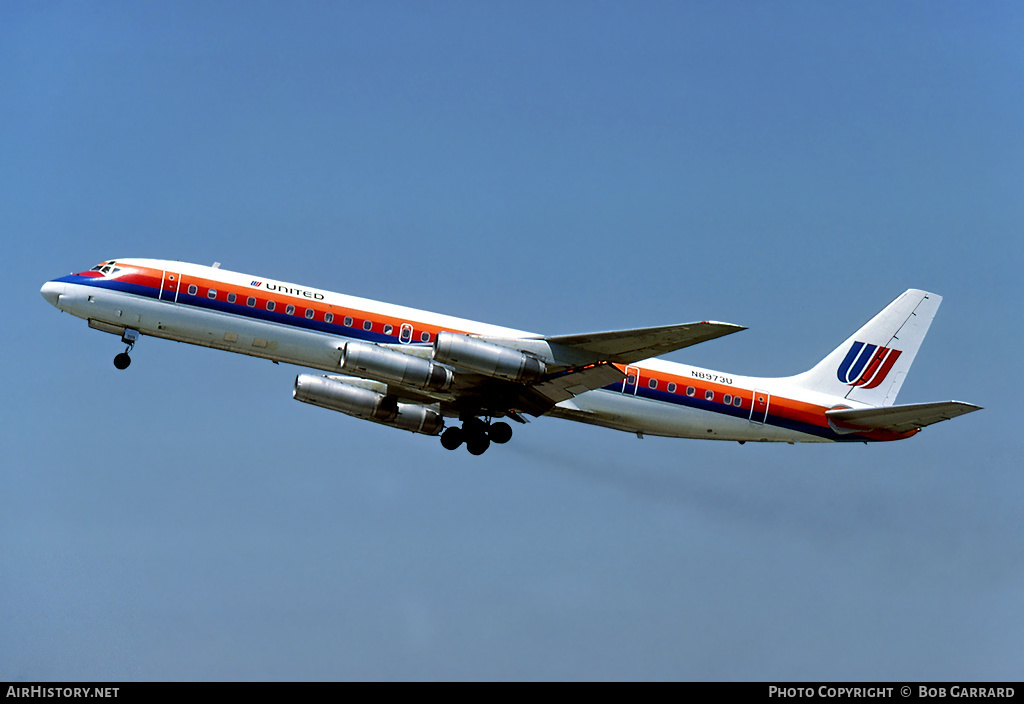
(471, 375)
(576, 364)
(900, 419)
(560, 387)
(628, 346)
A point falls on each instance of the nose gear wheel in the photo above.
(129, 337)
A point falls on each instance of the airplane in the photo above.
(444, 376)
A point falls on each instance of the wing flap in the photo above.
(628, 346)
(900, 419)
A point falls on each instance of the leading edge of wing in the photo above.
(628, 346)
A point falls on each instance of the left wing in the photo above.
(563, 386)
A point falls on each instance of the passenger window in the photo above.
(671, 387)
(309, 313)
(425, 337)
(271, 305)
(290, 310)
(232, 298)
(653, 383)
(388, 329)
(212, 293)
(631, 379)
(329, 318)
(348, 321)
(367, 325)
(709, 395)
(192, 289)
(690, 391)
(737, 401)
(250, 301)
(727, 399)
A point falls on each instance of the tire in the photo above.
(451, 438)
(500, 432)
(478, 444)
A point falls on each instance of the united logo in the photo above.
(867, 365)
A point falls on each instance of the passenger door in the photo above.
(759, 406)
(632, 380)
(169, 286)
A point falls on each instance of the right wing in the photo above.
(588, 361)
(628, 346)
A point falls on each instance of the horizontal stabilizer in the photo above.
(628, 346)
(900, 419)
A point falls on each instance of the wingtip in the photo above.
(971, 408)
(734, 326)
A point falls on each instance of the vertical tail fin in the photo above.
(871, 365)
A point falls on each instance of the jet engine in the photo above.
(487, 358)
(376, 362)
(366, 404)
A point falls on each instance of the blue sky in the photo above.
(555, 167)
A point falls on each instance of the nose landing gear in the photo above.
(129, 337)
(477, 434)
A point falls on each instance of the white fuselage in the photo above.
(231, 311)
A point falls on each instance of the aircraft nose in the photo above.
(52, 291)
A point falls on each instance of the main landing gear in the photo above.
(129, 337)
(477, 434)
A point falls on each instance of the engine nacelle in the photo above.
(487, 358)
(366, 404)
(339, 396)
(383, 364)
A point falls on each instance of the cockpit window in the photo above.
(106, 268)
